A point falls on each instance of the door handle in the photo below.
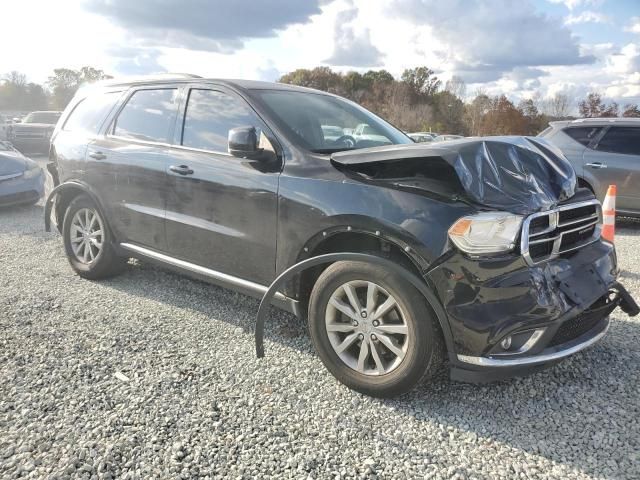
(596, 165)
(181, 169)
(97, 155)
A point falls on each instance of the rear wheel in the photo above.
(372, 329)
(87, 241)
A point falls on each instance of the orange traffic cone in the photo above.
(609, 214)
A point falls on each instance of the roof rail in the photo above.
(149, 78)
(606, 119)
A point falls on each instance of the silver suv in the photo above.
(603, 151)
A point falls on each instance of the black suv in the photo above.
(480, 251)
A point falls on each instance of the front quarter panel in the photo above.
(311, 206)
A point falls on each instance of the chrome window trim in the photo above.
(543, 358)
(554, 215)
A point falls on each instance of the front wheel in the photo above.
(372, 329)
(87, 241)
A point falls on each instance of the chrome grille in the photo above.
(549, 234)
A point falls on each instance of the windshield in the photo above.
(42, 117)
(327, 124)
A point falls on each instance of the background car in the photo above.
(603, 151)
(21, 179)
(444, 138)
(420, 137)
(34, 132)
(5, 123)
(366, 133)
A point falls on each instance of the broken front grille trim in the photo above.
(537, 237)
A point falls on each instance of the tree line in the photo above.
(419, 101)
(17, 94)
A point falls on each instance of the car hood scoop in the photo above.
(517, 174)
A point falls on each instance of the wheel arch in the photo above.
(354, 240)
(60, 198)
(326, 259)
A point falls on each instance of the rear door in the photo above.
(131, 158)
(221, 210)
(615, 159)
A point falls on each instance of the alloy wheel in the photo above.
(367, 327)
(86, 235)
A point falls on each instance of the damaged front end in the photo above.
(525, 278)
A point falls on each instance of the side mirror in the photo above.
(243, 142)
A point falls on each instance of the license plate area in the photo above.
(583, 286)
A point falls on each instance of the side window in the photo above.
(621, 140)
(583, 135)
(148, 115)
(210, 115)
(88, 114)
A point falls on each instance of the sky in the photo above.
(518, 47)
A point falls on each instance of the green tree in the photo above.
(378, 76)
(422, 81)
(591, 106)
(64, 83)
(631, 110)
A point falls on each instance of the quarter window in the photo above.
(88, 115)
(210, 115)
(621, 140)
(148, 115)
(583, 135)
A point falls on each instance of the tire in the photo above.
(417, 354)
(100, 262)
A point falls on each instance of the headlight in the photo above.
(34, 172)
(487, 232)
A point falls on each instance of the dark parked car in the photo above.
(34, 132)
(21, 179)
(481, 252)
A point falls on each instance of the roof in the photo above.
(598, 121)
(187, 78)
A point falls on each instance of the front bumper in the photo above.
(18, 190)
(558, 308)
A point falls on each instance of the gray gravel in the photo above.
(152, 375)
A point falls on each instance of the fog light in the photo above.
(506, 343)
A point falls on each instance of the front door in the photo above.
(615, 159)
(221, 210)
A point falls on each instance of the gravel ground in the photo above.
(152, 375)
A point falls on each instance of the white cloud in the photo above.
(634, 25)
(572, 4)
(353, 47)
(587, 17)
(487, 39)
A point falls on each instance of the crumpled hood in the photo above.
(14, 162)
(521, 175)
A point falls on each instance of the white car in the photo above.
(5, 122)
(365, 133)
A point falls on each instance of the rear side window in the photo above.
(148, 115)
(210, 115)
(621, 140)
(583, 135)
(88, 115)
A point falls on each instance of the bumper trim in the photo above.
(533, 360)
